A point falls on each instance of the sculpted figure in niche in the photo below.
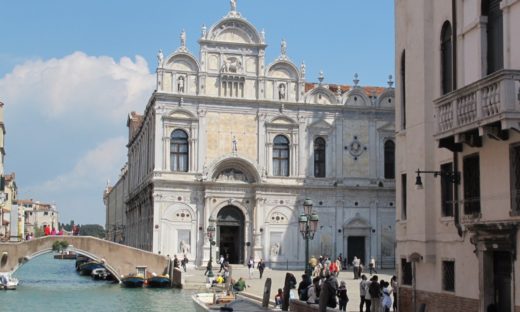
(234, 147)
(276, 249)
(281, 91)
(180, 84)
(184, 247)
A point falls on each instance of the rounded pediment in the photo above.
(182, 61)
(356, 97)
(320, 95)
(234, 30)
(386, 99)
(234, 170)
(283, 70)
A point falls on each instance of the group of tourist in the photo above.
(358, 267)
(251, 267)
(376, 295)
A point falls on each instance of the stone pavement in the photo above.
(195, 279)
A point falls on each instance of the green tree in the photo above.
(60, 246)
(95, 230)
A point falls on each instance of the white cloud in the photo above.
(65, 121)
(93, 169)
(79, 85)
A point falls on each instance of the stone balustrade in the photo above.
(493, 99)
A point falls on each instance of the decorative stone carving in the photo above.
(184, 247)
(276, 249)
(283, 47)
(183, 39)
(233, 4)
(232, 175)
(302, 70)
(160, 59)
(278, 218)
(355, 148)
(281, 91)
(180, 84)
(204, 31)
(232, 65)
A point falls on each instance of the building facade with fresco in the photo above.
(232, 137)
(458, 117)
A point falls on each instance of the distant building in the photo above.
(37, 214)
(114, 199)
(458, 116)
(231, 138)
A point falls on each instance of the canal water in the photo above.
(47, 284)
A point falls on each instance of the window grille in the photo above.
(448, 275)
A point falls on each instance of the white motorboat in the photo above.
(7, 281)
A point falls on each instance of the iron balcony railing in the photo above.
(495, 98)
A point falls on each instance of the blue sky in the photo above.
(71, 71)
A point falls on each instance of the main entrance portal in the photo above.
(230, 234)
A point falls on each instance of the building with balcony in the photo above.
(229, 137)
(458, 154)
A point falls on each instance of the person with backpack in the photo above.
(343, 296)
(375, 293)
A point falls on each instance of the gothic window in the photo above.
(403, 197)
(389, 159)
(515, 179)
(319, 157)
(446, 58)
(281, 156)
(403, 90)
(447, 191)
(494, 34)
(471, 167)
(179, 152)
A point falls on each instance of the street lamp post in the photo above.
(211, 232)
(308, 222)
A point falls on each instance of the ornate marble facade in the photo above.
(231, 138)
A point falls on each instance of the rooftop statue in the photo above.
(233, 5)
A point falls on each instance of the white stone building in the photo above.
(37, 214)
(458, 113)
(233, 137)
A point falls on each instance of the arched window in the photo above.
(319, 158)
(389, 159)
(281, 156)
(403, 90)
(495, 35)
(446, 58)
(179, 152)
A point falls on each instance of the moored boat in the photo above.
(132, 281)
(101, 274)
(68, 255)
(158, 281)
(8, 282)
(88, 267)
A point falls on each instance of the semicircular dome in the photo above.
(236, 170)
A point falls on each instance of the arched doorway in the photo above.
(230, 233)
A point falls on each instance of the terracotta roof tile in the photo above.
(345, 88)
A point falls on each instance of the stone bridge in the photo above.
(119, 259)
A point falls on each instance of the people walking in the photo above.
(343, 296)
(387, 301)
(251, 266)
(221, 262)
(303, 287)
(356, 262)
(261, 267)
(363, 294)
(372, 265)
(393, 285)
(184, 261)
